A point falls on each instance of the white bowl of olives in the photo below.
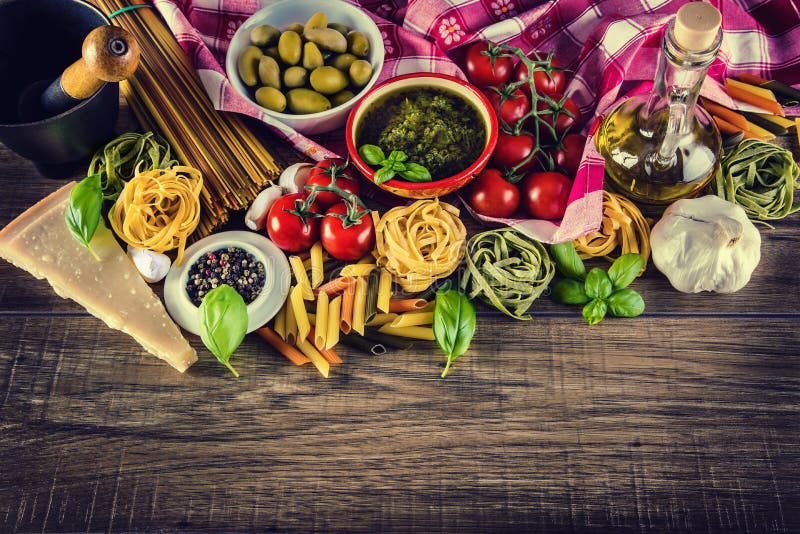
(306, 62)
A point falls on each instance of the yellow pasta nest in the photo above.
(623, 226)
(420, 243)
(158, 210)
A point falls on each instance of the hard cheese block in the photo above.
(112, 290)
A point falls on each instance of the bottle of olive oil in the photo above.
(660, 146)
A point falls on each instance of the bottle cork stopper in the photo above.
(696, 26)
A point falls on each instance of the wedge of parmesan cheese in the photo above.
(39, 242)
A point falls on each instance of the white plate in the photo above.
(276, 280)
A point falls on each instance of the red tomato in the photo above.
(566, 113)
(321, 175)
(567, 156)
(492, 195)
(287, 230)
(545, 194)
(546, 81)
(484, 67)
(512, 108)
(511, 150)
(347, 243)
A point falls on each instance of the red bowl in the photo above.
(436, 188)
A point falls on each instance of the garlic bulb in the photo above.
(294, 177)
(705, 244)
(257, 212)
(153, 266)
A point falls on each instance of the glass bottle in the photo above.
(661, 146)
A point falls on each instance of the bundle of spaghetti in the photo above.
(158, 209)
(623, 226)
(166, 95)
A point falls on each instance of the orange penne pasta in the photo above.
(348, 300)
(337, 285)
(751, 79)
(746, 96)
(328, 354)
(294, 355)
(724, 113)
(727, 128)
(404, 305)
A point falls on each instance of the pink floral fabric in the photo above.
(610, 45)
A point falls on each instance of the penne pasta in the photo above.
(358, 269)
(413, 332)
(359, 305)
(312, 318)
(321, 324)
(329, 354)
(271, 337)
(291, 321)
(348, 296)
(317, 265)
(279, 324)
(336, 285)
(412, 319)
(384, 291)
(334, 316)
(301, 277)
(300, 313)
(364, 344)
(371, 305)
(405, 305)
(322, 365)
(382, 319)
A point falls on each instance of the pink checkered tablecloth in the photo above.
(610, 45)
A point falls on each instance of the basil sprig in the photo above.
(396, 163)
(599, 292)
(83, 211)
(223, 323)
(453, 324)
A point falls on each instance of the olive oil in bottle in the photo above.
(660, 147)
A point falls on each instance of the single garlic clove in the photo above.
(257, 212)
(294, 177)
(153, 266)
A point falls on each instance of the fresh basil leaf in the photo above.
(598, 284)
(625, 303)
(83, 211)
(594, 311)
(569, 291)
(568, 261)
(415, 173)
(223, 323)
(372, 154)
(384, 174)
(625, 269)
(398, 156)
(453, 324)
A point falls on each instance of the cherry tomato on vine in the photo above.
(510, 108)
(567, 156)
(511, 150)
(321, 175)
(566, 113)
(287, 230)
(546, 81)
(545, 194)
(485, 65)
(492, 195)
(347, 232)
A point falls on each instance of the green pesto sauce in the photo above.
(436, 129)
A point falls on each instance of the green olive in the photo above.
(312, 57)
(317, 20)
(295, 77)
(304, 101)
(357, 43)
(269, 72)
(343, 61)
(339, 27)
(248, 65)
(328, 80)
(264, 35)
(290, 47)
(360, 72)
(327, 39)
(341, 97)
(272, 52)
(271, 98)
(295, 27)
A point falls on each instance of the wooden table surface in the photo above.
(684, 419)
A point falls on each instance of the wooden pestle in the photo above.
(109, 54)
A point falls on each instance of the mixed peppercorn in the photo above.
(231, 265)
